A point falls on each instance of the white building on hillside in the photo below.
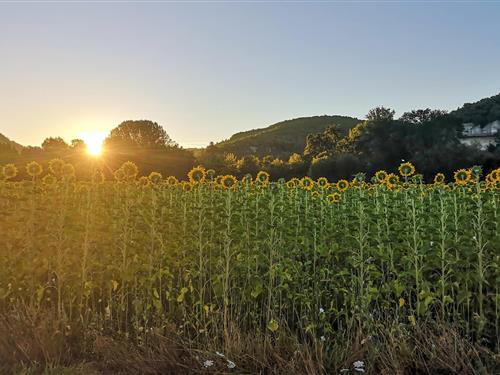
(481, 136)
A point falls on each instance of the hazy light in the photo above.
(93, 141)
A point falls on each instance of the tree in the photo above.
(421, 116)
(54, 144)
(380, 114)
(78, 145)
(323, 143)
(143, 134)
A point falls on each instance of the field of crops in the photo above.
(214, 274)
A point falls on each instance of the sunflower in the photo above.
(307, 183)
(187, 186)
(155, 177)
(228, 182)
(439, 178)
(247, 179)
(315, 194)
(10, 171)
(342, 185)
(322, 182)
(119, 175)
(406, 169)
(143, 181)
(34, 169)
(172, 180)
(210, 174)
(391, 180)
(197, 175)
(49, 180)
(462, 176)
(130, 170)
(56, 166)
(333, 198)
(293, 183)
(262, 177)
(381, 176)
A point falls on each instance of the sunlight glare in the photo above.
(94, 141)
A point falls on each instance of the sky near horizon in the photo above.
(206, 70)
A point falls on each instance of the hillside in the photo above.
(5, 140)
(283, 138)
(481, 112)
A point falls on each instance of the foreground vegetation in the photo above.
(218, 275)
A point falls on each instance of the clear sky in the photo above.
(207, 70)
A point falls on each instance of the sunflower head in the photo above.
(119, 175)
(293, 183)
(143, 181)
(187, 186)
(34, 169)
(130, 170)
(68, 171)
(477, 172)
(381, 176)
(406, 169)
(228, 182)
(342, 185)
(307, 183)
(56, 166)
(439, 178)
(155, 178)
(392, 180)
(197, 175)
(322, 182)
(262, 178)
(9, 171)
(172, 180)
(333, 198)
(49, 180)
(359, 178)
(462, 176)
(315, 194)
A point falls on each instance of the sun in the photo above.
(94, 141)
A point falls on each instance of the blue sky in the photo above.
(207, 70)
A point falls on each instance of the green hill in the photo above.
(14, 145)
(283, 138)
(481, 112)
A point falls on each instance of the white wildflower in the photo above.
(230, 364)
(220, 354)
(322, 338)
(321, 310)
(208, 363)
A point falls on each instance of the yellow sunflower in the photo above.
(391, 180)
(406, 169)
(342, 185)
(56, 166)
(439, 178)
(49, 180)
(143, 181)
(172, 180)
(462, 176)
(197, 175)
(262, 178)
(381, 176)
(9, 171)
(307, 183)
(293, 183)
(322, 182)
(315, 194)
(228, 182)
(130, 170)
(155, 177)
(333, 198)
(34, 169)
(187, 186)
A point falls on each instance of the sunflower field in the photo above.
(248, 275)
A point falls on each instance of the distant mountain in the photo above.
(15, 145)
(283, 138)
(481, 112)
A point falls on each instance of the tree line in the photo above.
(430, 139)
